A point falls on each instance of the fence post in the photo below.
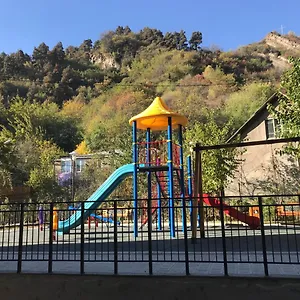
(263, 237)
(149, 212)
(186, 249)
(115, 239)
(82, 239)
(20, 248)
(223, 236)
(50, 250)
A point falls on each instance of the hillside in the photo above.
(59, 74)
(56, 100)
(126, 70)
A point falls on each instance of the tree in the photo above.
(86, 46)
(149, 36)
(41, 177)
(170, 40)
(242, 104)
(221, 84)
(182, 41)
(7, 159)
(288, 110)
(40, 54)
(195, 40)
(97, 139)
(57, 54)
(29, 120)
(218, 165)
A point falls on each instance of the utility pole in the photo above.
(73, 171)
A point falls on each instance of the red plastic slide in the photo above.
(252, 221)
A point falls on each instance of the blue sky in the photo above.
(227, 24)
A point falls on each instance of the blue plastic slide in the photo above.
(104, 219)
(100, 218)
(93, 202)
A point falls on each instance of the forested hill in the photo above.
(53, 100)
(122, 56)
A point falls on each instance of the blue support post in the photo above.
(190, 185)
(135, 179)
(180, 139)
(171, 179)
(148, 139)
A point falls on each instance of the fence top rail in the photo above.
(187, 197)
(245, 144)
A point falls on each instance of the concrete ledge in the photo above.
(44, 287)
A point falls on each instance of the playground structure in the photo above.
(104, 217)
(162, 162)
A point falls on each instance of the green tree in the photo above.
(86, 46)
(7, 159)
(288, 110)
(182, 41)
(57, 55)
(28, 120)
(217, 165)
(242, 104)
(40, 55)
(170, 40)
(195, 40)
(42, 177)
(149, 36)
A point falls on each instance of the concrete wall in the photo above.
(44, 287)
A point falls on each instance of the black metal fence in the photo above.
(105, 243)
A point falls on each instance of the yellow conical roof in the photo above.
(156, 116)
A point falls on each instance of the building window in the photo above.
(272, 128)
(79, 165)
(66, 166)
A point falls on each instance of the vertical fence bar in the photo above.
(149, 201)
(195, 196)
(158, 206)
(21, 230)
(200, 195)
(149, 212)
(159, 196)
(171, 179)
(223, 236)
(186, 249)
(190, 186)
(135, 178)
(263, 237)
(181, 178)
(50, 250)
(82, 239)
(115, 239)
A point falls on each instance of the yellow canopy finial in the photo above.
(155, 117)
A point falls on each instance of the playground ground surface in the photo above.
(99, 254)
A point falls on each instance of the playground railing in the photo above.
(234, 232)
(155, 153)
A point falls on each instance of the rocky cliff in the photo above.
(105, 61)
(276, 40)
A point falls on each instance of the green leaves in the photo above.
(42, 177)
(218, 166)
(195, 40)
(288, 110)
(28, 120)
(242, 104)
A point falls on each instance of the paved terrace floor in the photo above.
(243, 251)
